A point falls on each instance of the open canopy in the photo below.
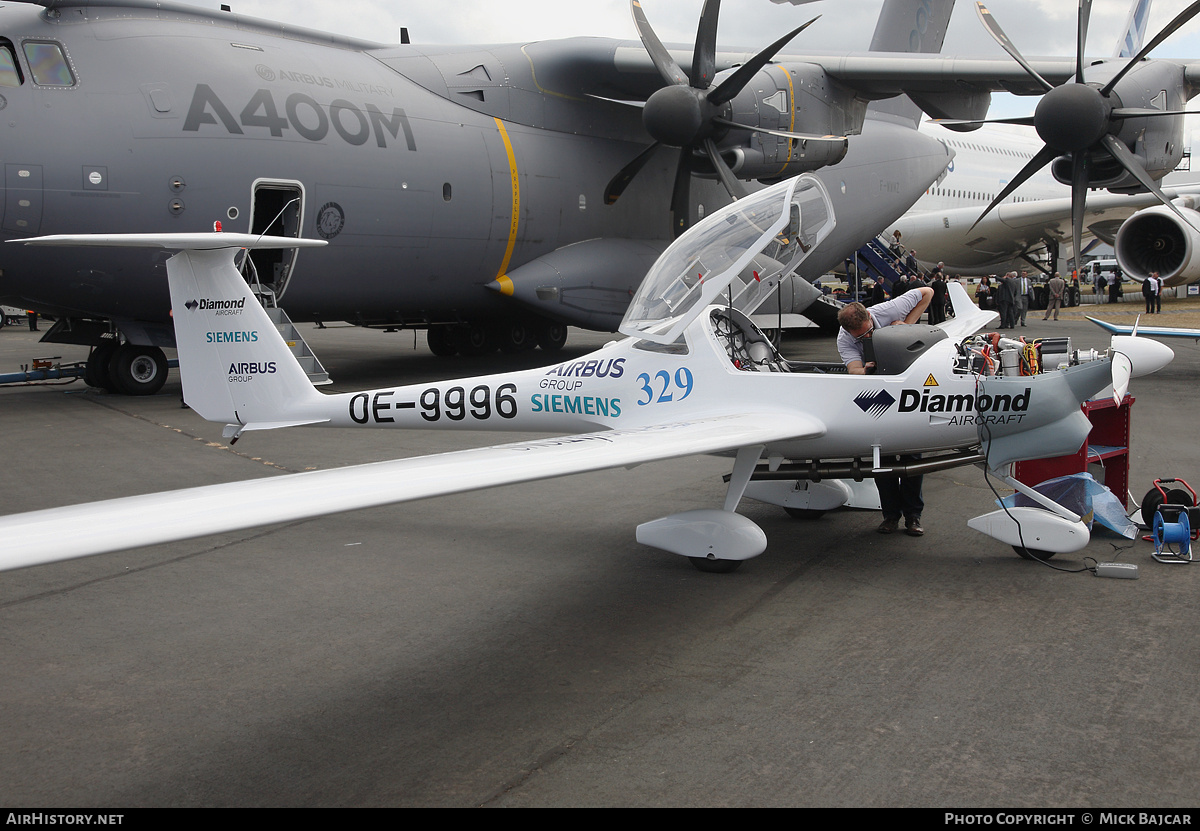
(737, 257)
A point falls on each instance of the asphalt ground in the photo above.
(517, 647)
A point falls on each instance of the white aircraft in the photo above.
(1036, 217)
(693, 376)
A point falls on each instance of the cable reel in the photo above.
(1167, 533)
(1175, 514)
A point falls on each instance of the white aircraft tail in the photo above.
(235, 365)
(1130, 43)
(968, 318)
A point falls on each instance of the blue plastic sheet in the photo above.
(1080, 493)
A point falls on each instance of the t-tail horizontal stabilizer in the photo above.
(236, 367)
(968, 318)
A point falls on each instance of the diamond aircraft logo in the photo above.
(191, 305)
(874, 403)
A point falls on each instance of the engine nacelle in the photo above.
(798, 98)
(1155, 239)
(762, 161)
(1157, 143)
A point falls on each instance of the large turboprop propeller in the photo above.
(691, 114)
(1080, 120)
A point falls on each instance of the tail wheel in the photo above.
(138, 370)
(552, 336)
(441, 341)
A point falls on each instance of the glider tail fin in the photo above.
(236, 367)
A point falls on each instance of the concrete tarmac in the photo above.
(517, 647)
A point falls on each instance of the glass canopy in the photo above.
(736, 257)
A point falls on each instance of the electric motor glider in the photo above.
(693, 376)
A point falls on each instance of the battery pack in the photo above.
(1126, 571)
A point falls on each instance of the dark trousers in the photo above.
(901, 495)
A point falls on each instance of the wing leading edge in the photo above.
(55, 534)
(1149, 331)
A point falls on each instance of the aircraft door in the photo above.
(277, 208)
(22, 198)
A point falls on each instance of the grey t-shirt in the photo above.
(884, 315)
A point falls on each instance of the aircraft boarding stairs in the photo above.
(878, 260)
(291, 336)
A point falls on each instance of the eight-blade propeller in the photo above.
(691, 114)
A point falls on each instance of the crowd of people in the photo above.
(1011, 294)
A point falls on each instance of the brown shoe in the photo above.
(888, 526)
(913, 528)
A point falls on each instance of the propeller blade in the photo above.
(1043, 157)
(667, 68)
(781, 133)
(704, 61)
(1122, 371)
(681, 197)
(1085, 14)
(1025, 120)
(732, 85)
(1142, 112)
(623, 102)
(1122, 154)
(1180, 19)
(621, 181)
(1079, 187)
(726, 176)
(1136, 321)
(998, 35)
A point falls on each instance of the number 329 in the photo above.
(666, 391)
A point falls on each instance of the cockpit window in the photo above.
(10, 74)
(48, 64)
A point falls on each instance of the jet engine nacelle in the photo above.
(1155, 239)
